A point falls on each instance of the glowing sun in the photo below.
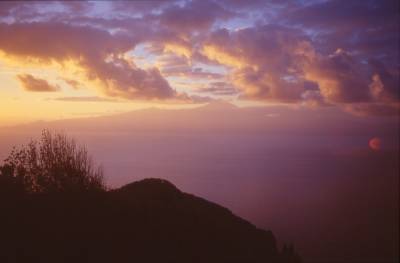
(375, 143)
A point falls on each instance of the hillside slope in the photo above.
(146, 221)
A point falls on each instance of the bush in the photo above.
(53, 164)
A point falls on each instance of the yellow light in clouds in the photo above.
(178, 49)
(215, 53)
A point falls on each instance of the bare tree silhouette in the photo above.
(55, 163)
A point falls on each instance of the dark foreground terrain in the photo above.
(145, 221)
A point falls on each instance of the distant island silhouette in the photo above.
(55, 208)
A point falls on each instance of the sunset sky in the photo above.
(74, 59)
(285, 112)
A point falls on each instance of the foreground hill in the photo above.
(146, 221)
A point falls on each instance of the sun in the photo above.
(375, 143)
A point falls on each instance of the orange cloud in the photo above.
(179, 49)
(85, 99)
(98, 54)
(339, 78)
(265, 61)
(276, 63)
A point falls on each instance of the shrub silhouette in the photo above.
(55, 163)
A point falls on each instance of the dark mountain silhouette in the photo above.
(146, 221)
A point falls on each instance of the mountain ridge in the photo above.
(145, 221)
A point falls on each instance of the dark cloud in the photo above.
(140, 7)
(368, 28)
(341, 14)
(31, 83)
(193, 15)
(77, 6)
(27, 39)
(6, 7)
(18, 9)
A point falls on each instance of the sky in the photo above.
(76, 58)
(285, 112)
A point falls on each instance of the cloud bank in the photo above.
(331, 53)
